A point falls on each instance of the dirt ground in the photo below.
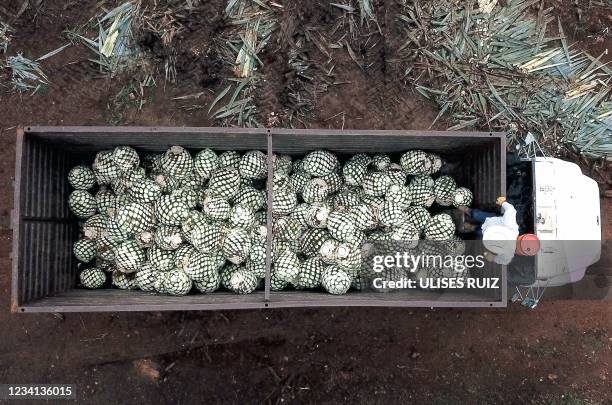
(560, 353)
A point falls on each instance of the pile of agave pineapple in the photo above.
(174, 223)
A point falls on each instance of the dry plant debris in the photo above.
(5, 36)
(115, 44)
(494, 66)
(19, 73)
(252, 23)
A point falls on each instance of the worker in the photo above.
(500, 234)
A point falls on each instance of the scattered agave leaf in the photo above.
(498, 68)
(5, 36)
(352, 55)
(254, 22)
(219, 97)
(115, 44)
(53, 53)
(367, 10)
(26, 74)
(190, 96)
(345, 7)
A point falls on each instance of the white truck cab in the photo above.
(567, 220)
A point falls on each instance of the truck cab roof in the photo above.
(566, 220)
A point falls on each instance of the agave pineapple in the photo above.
(342, 225)
(316, 190)
(146, 277)
(312, 240)
(125, 158)
(198, 266)
(276, 284)
(176, 282)
(421, 190)
(241, 217)
(135, 218)
(225, 182)
(81, 178)
(256, 262)
(236, 245)
(287, 266)
(105, 248)
(182, 253)
(229, 158)
(145, 191)
(160, 259)
(319, 163)
(124, 281)
(462, 197)
(208, 284)
(205, 162)
(207, 238)
(366, 216)
(310, 273)
(250, 197)
(418, 217)
(166, 182)
(287, 228)
(396, 174)
(376, 183)
(298, 181)
(169, 210)
(335, 280)
(92, 277)
(355, 170)
(398, 194)
(168, 237)
(391, 214)
(129, 257)
(416, 162)
(444, 190)
(282, 163)
(84, 250)
(216, 208)
(243, 282)
(284, 201)
(104, 168)
(226, 273)
(82, 204)
(381, 162)
(106, 201)
(345, 199)
(253, 165)
(168, 221)
(177, 162)
(440, 227)
(317, 215)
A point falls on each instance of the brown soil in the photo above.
(587, 24)
(361, 355)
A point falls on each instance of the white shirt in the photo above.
(499, 234)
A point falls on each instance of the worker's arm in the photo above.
(500, 258)
(503, 258)
(509, 217)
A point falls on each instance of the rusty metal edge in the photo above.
(325, 303)
(388, 304)
(140, 307)
(502, 170)
(16, 222)
(138, 129)
(273, 131)
(392, 132)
